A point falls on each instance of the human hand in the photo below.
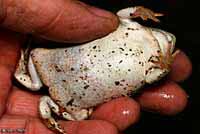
(20, 109)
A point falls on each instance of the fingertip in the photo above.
(22, 103)
(89, 127)
(109, 17)
(121, 112)
(181, 67)
(166, 99)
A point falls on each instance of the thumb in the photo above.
(58, 20)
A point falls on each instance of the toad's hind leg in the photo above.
(26, 73)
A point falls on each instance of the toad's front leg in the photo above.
(139, 11)
(47, 106)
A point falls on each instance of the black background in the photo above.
(181, 18)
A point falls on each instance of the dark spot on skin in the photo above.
(20, 78)
(24, 79)
(94, 89)
(76, 80)
(140, 62)
(131, 28)
(57, 68)
(129, 70)
(141, 52)
(64, 80)
(74, 93)
(149, 69)
(120, 61)
(142, 82)
(158, 51)
(70, 102)
(65, 50)
(124, 44)
(146, 72)
(153, 59)
(121, 49)
(131, 14)
(72, 69)
(126, 34)
(109, 65)
(115, 40)
(123, 80)
(94, 47)
(85, 87)
(124, 88)
(95, 56)
(113, 51)
(117, 83)
(81, 77)
(86, 68)
(88, 55)
(130, 49)
(126, 54)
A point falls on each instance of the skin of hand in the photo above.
(19, 108)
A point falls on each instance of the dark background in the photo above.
(180, 19)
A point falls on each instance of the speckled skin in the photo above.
(84, 76)
(90, 74)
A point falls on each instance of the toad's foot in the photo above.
(47, 105)
(139, 11)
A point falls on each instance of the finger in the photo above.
(89, 127)
(166, 99)
(22, 103)
(35, 126)
(23, 123)
(12, 122)
(181, 67)
(60, 20)
(10, 48)
(5, 85)
(121, 112)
